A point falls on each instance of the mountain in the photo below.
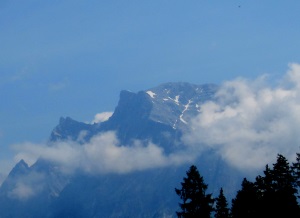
(159, 115)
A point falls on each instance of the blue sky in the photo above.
(72, 57)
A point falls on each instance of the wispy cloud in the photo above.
(23, 74)
(101, 117)
(58, 85)
(250, 121)
(27, 186)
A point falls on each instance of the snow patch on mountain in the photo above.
(151, 94)
(174, 103)
(186, 107)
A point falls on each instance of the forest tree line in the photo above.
(276, 193)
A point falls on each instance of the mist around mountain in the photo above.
(126, 166)
(129, 164)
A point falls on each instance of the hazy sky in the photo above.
(72, 57)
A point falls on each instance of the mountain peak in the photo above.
(22, 164)
(68, 129)
(63, 120)
(20, 168)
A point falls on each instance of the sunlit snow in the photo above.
(186, 107)
(176, 100)
(151, 94)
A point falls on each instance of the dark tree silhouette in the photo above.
(195, 202)
(272, 195)
(265, 193)
(221, 209)
(284, 201)
(296, 173)
(245, 203)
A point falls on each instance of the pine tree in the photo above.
(264, 193)
(272, 195)
(245, 203)
(222, 210)
(284, 200)
(195, 202)
(296, 173)
(276, 191)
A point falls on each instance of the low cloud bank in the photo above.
(250, 122)
(102, 154)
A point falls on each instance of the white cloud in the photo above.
(101, 117)
(102, 154)
(250, 121)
